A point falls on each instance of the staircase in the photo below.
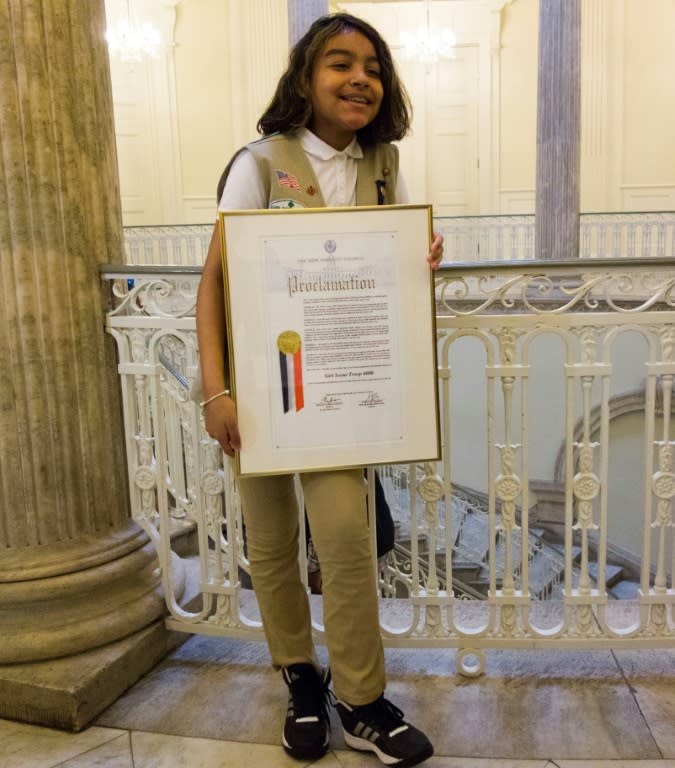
(471, 551)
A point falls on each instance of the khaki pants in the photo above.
(335, 503)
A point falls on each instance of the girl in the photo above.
(325, 142)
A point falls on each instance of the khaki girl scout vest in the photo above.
(289, 181)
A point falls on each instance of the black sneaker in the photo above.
(380, 728)
(307, 729)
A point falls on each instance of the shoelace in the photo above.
(384, 713)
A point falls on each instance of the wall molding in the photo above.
(198, 209)
(647, 197)
(516, 200)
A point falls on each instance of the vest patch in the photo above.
(285, 203)
(288, 180)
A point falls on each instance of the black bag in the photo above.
(384, 523)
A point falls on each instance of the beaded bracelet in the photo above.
(214, 397)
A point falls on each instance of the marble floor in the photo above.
(216, 703)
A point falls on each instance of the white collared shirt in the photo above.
(335, 171)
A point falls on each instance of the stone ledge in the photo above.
(68, 693)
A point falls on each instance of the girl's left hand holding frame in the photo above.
(436, 251)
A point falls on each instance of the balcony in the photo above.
(467, 239)
(534, 361)
(544, 532)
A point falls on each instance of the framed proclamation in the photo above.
(331, 333)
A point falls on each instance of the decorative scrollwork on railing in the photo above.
(551, 294)
(213, 485)
(646, 293)
(160, 297)
(507, 295)
(586, 487)
(430, 488)
(223, 616)
(583, 622)
(452, 542)
(145, 480)
(663, 486)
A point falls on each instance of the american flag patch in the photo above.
(287, 180)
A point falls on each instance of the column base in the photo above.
(69, 692)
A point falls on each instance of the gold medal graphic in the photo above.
(289, 342)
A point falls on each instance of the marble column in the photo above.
(76, 574)
(301, 14)
(558, 130)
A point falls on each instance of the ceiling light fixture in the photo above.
(429, 45)
(131, 41)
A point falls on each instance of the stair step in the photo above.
(559, 547)
(625, 590)
(422, 543)
(613, 573)
(480, 585)
(465, 571)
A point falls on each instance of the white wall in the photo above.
(518, 107)
(648, 108)
(203, 76)
(627, 106)
(180, 118)
(626, 483)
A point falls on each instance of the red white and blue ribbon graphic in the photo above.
(290, 368)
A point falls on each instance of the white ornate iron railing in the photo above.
(176, 244)
(577, 314)
(467, 238)
(601, 235)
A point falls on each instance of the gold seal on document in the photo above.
(289, 342)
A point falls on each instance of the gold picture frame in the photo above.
(331, 334)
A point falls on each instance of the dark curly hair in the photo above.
(291, 108)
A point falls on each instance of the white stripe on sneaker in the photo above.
(363, 745)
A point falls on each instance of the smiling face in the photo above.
(346, 90)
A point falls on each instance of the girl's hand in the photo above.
(220, 418)
(436, 251)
